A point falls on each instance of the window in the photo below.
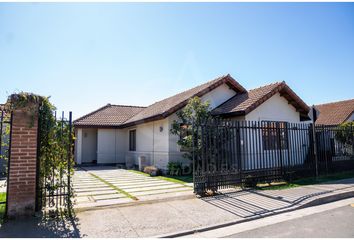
(132, 140)
(274, 135)
(183, 134)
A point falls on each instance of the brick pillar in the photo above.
(22, 164)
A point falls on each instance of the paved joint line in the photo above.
(114, 187)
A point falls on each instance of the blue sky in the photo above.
(86, 55)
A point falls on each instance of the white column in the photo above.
(78, 146)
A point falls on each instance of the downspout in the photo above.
(115, 146)
(153, 143)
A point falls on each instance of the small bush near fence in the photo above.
(2, 206)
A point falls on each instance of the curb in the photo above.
(134, 203)
(315, 202)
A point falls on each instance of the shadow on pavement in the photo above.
(43, 226)
(249, 203)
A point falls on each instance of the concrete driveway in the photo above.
(104, 186)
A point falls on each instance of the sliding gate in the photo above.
(228, 153)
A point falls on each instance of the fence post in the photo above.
(22, 162)
(69, 161)
(193, 157)
(315, 148)
(352, 134)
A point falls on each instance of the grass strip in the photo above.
(114, 187)
(307, 181)
(175, 179)
(2, 206)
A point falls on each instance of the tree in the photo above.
(193, 113)
(345, 134)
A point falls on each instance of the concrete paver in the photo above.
(145, 188)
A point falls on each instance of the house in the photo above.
(116, 134)
(335, 113)
(332, 114)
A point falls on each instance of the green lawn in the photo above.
(176, 179)
(306, 181)
(2, 206)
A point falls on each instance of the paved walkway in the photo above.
(164, 218)
(2, 186)
(104, 186)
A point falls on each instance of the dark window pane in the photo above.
(132, 140)
(274, 135)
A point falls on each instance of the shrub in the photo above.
(152, 170)
(175, 168)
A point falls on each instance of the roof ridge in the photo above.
(93, 112)
(120, 105)
(329, 103)
(267, 85)
(215, 79)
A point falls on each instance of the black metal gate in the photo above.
(227, 153)
(55, 168)
(5, 138)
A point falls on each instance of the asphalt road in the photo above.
(335, 223)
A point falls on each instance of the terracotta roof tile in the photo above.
(169, 105)
(335, 113)
(123, 116)
(242, 104)
(109, 115)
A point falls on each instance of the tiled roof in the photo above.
(108, 116)
(242, 104)
(335, 113)
(169, 105)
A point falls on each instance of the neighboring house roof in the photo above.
(166, 107)
(335, 113)
(108, 116)
(243, 104)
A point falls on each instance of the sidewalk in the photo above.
(172, 218)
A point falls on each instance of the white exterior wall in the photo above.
(89, 145)
(351, 118)
(218, 96)
(151, 142)
(111, 146)
(274, 109)
(78, 145)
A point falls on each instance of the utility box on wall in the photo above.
(143, 162)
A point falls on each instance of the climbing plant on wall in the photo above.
(55, 144)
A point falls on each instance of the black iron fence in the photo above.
(227, 153)
(55, 163)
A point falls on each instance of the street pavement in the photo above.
(336, 223)
(168, 218)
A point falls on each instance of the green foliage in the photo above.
(2, 206)
(175, 168)
(345, 133)
(28, 102)
(55, 149)
(54, 139)
(193, 113)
